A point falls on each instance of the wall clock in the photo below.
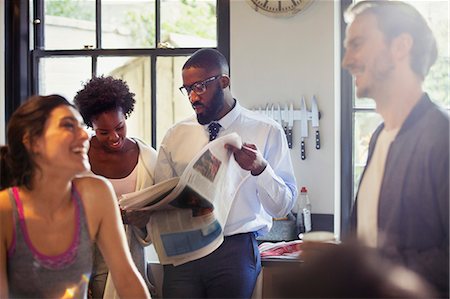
(279, 8)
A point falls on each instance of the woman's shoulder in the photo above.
(89, 178)
(6, 218)
(5, 203)
(96, 194)
(92, 185)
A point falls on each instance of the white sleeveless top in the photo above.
(126, 184)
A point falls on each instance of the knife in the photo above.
(290, 117)
(303, 127)
(315, 120)
(272, 112)
(266, 110)
(280, 119)
(285, 122)
(276, 114)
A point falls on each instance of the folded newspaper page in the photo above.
(188, 213)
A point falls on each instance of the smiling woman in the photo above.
(50, 214)
(128, 163)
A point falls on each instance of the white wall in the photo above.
(2, 72)
(280, 60)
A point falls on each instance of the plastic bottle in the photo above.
(296, 210)
(306, 209)
(303, 212)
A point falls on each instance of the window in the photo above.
(143, 42)
(359, 118)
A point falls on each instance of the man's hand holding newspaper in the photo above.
(188, 213)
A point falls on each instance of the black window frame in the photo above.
(347, 131)
(21, 58)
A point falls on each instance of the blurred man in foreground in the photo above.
(402, 204)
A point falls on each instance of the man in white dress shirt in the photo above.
(270, 191)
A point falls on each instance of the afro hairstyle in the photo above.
(102, 94)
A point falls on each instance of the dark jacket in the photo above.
(413, 208)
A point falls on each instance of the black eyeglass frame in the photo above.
(198, 87)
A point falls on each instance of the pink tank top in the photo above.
(32, 274)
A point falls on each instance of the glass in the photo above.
(172, 105)
(135, 71)
(74, 18)
(436, 83)
(364, 103)
(128, 24)
(63, 75)
(189, 23)
(198, 87)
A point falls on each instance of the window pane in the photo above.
(128, 24)
(437, 81)
(364, 103)
(135, 71)
(189, 23)
(171, 105)
(63, 75)
(69, 18)
(365, 125)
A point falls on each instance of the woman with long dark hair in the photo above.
(51, 213)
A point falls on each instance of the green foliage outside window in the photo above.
(437, 81)
(196, 18)
(187, 17)
(75, 9)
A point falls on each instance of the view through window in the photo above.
(143, 42)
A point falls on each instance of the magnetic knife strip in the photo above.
(286, 116)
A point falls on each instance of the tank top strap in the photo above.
(16, 216)
(22, 235)
(81, 215)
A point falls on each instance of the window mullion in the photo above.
(223, 27)
(157, 23)
(153, 97)
(38, 24)
(346, 136)
(98, 24)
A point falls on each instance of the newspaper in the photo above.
(188, 213)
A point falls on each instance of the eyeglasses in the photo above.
(198, 87)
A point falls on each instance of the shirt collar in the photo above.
(230, 117)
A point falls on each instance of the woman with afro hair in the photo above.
(128, 163)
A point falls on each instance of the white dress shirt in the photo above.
(259, 198)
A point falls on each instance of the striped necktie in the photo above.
(213, 128)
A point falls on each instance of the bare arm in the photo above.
(3, 277)
(110, 237)
(4, 227)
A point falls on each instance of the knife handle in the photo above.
(302, 149)
(317, 139)
(289, 137)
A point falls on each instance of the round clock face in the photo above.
(279, 8)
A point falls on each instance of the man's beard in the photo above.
(212, 110)
(380, 74)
